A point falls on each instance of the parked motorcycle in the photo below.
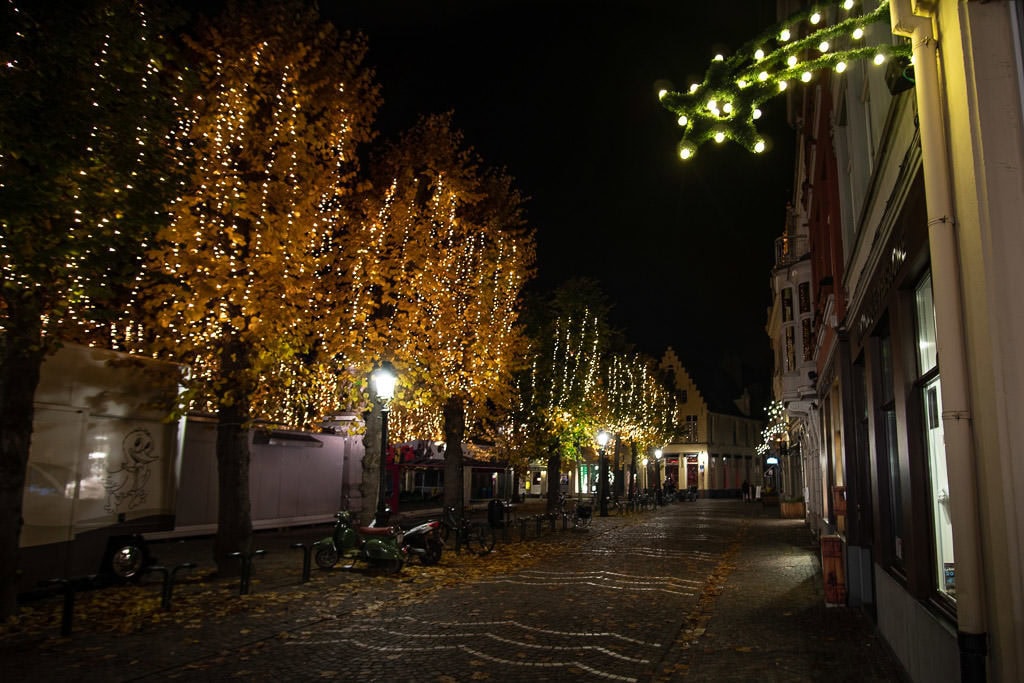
(424, 541)
(384, 547)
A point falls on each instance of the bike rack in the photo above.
(68, 588)
(246, 560)
(168, 581)
(307, 551)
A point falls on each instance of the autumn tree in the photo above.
(434, 274)
(238, 278)
(85, 172)
(560, 402)
(641, 409)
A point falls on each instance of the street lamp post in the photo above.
(602, 484)
(657, 475)
(384, 380)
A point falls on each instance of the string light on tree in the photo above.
(807, 42)
(777, 428)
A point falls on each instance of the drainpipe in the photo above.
(916, 24)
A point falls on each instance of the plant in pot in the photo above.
(792, 507)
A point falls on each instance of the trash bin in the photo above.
(496, 513)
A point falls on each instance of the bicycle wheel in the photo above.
(480, 539)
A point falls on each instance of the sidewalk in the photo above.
(769, 620)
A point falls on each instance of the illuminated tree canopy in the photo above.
(85, 173)
(235, 279)
(727, 104)
(431, 277)
(641, 409)
(560, 402)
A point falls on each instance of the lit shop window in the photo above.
(805, 297)
(807, 339)
(931, 401)
(790, 348)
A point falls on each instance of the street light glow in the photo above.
(384, 380)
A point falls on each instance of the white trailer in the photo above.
(104, 462)
(108, 470)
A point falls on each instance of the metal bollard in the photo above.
(68, 588)
(246, 560)
(67, 615)
(306, 554)
(539, 520)
(551, 520)
(168, 581)
(522, 528)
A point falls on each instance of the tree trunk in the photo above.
(634, 486)
(454, 430)
(22, 352)
(234, 514)
(554, 477)
(618, 488)
(370, 486)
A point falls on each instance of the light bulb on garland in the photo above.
(762, 69)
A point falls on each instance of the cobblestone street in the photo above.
(709, 590)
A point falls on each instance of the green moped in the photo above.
(384, 548)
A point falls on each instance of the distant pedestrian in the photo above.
(746, 491)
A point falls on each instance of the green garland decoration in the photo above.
(727, 104)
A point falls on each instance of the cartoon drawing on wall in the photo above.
(128, 482)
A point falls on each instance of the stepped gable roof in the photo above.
(719, 390)
(720, 387)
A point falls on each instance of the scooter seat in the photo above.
(375, 531)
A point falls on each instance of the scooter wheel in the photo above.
(433, 552)
(391, 566)
(326, 557)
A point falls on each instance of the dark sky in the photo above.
(562, 94)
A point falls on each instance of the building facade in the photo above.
(717, 447)
(910, 190)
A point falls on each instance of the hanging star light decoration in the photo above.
(727, 105)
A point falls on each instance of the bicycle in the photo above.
(615, 506)
(476, 537)
(581, 515)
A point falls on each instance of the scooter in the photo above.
(424, 541)
(384, 548)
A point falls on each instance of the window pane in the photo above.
(889, 450)
(787, 304)
(895, 496)
(926, 354)
(931, 401)
(939, 480)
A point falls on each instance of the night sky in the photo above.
(562, 93)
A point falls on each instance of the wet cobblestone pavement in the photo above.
(707, 590)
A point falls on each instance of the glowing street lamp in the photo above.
(384, 380)
(602, 485)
